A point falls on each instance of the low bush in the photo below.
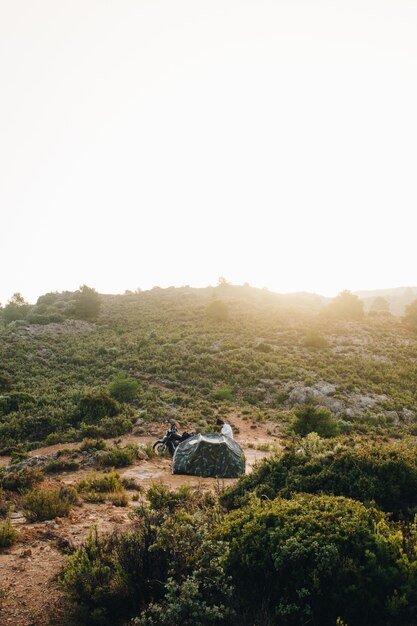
(118, 457)
(3, 504)
(90, 445)
(57, 465)
(105, 488)
(20, 480)
(104, 483)
(45, 503)
(384, 473)
(8, 534)
(167, 552)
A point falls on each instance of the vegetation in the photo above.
(381, 472)
(44, 503)
(279, 562)
(8, 534)
(159, 352)
(311, 418)
(322, 532)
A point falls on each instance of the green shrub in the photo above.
(225, 392)
(3, 504)
(384, 473)
(8, 534)
(162, 498)
(18, 456)
(118, 457)
(119, 498)
(89, 445)
(6, 381)
(116, 577)
(19, 480)
(313, 559)
(45, 503)
(14, 400)
(104, 483)
(91, 580)
(314, 340)
(264, 347)
(93, 407)
(123, 390)
(56, 466)
(311, 418)
(218, 311)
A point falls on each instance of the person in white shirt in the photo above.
(226, 428)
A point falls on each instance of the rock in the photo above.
(325, 388)
(367, 402)
(25, 553)
(407, 415)
(393, 415)
(333, 404)
(142, 456)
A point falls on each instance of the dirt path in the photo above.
(29, 570)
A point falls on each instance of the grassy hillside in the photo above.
(194, 353)
(322, 531)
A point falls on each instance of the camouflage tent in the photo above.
(207, 455)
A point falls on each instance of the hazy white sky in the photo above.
(170, 142)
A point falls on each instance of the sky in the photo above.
(147, 142)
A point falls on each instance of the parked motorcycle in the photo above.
(170, 441)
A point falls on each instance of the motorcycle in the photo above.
(170, 441)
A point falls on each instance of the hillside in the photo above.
(82, 401)
(260, 355)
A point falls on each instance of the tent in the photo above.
(207, 455)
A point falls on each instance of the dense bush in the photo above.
(94, 406)
(20, 480)
(123, 389)
(385, 473)
(316, 558)
(44, 503)
(317, 419)
(168, 553)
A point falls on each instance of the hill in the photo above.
(397, 297)
(194, 353)
(328, 403)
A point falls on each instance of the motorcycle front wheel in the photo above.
(159, 447)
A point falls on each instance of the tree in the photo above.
(16, 309)
(379, 306)
(87, 303)
(345, 306)
(410, 315)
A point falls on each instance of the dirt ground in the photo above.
(29, 570)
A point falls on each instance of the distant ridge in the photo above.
(398, 297)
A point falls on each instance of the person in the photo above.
(226, 429)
